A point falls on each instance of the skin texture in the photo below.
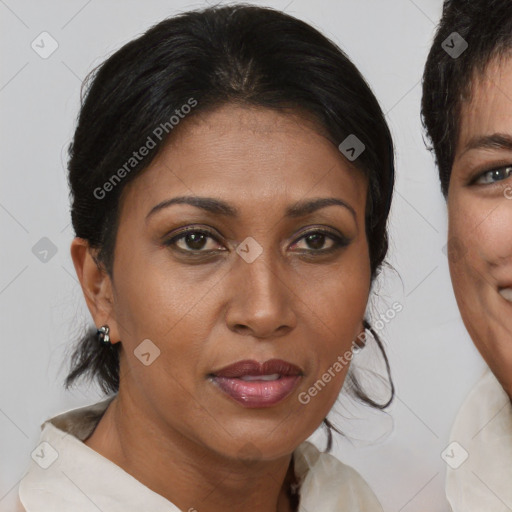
(480, 219)
(169, 426)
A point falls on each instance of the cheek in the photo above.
(145, 303)
(337, 294)
(479, 233)
(165, 314)
(152, 303)
(154, 294)
(495, 233)
(464, 251)
(340, 302)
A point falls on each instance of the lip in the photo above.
(256, 392)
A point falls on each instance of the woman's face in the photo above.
(480, 219)
(265, 272)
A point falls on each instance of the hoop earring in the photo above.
(361, 339)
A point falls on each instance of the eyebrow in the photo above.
(219, 207)
(494, 141)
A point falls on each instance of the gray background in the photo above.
(433, 360)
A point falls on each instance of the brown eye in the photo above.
(316, 240)
(193, 240)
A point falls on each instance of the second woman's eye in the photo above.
(494, 175)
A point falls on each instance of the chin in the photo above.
(256, 447)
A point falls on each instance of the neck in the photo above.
(191, 476)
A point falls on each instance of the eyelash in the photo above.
(338, 242)
(507, 168)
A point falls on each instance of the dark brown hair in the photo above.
(486, 27)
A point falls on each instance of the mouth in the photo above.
(254, 384)
(506, 293)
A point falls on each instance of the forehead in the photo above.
(489, 108)
(247, 152)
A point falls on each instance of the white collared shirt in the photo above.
(479, 457)
(66, 475)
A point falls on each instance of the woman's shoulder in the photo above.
(65, 474)
(326, 481)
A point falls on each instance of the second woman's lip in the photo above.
(254, 384)
(249, 367)
(257, 393)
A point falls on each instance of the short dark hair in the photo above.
(486, 27)
(230, 54)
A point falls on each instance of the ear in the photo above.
(96, 286)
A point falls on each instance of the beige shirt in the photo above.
(65, 475)
(479, 456)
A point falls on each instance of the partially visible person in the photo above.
(467, 112)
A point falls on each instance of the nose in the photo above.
(262, 303)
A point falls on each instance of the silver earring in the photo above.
(103, 334)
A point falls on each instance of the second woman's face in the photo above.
(243, 241)
(480, 219)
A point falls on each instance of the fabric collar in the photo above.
(479, 456)
(79, 479)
